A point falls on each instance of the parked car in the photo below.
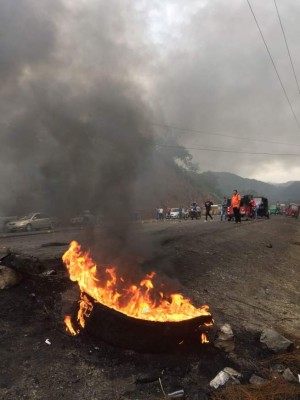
(85, 219)
(174, 213)
(30, 222)
(293, 210)
(4, 221)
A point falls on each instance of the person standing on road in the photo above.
(235, 203)
(208, 205)
(253, 205)
(180, 213)
(224, 209)
(161, 214)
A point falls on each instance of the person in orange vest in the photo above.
(235, 203)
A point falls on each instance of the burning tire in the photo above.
(123, 331)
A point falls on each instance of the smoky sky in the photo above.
(218, 78)
(83, 84)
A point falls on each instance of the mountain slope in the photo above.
(227, 182)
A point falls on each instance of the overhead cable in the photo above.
(203, 132)
(287, 47)
(271, 58)
(226, 150)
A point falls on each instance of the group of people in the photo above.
(235, 204)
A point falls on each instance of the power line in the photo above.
(223, 135)
(226, 150)
(288, 50)
(271, 58)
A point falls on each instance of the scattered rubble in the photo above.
(50, 272)
(226, 375)
(225, 339)
(275, 342)
(278, 368)
(9, 277)
(179, 394)
(289, 376)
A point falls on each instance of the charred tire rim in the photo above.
(121, 330)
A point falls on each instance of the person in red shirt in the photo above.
(235, 203)
(253, 205)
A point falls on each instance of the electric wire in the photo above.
(273, 63)
(287, 47)
(223, 135)
(227, 151)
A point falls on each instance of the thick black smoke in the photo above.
(72, 112)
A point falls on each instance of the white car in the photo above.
(174, 213)
(30, 222)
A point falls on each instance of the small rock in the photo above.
(178, 394)
(223, 377)
(50, 272)
(219, 380)
(232, 372)
(256, 380)
(224, 340)
(9, 277)
(225, 332)
(274, 341)
(278, 368)
(269, 245)
(289, 376)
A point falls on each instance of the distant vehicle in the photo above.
(273, 210)
(283, 208)
(30, 222)
(262, 207)
(4, 221)
(293, 210)
(277, 209)
(195, 212)
(84, 219)
(246, 210)
(174, 213)
(229, 210)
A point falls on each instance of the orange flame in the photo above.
(69, 326)
(204, 338)
(139, 301)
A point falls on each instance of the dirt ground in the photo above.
(248, 274)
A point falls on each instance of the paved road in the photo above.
(45, 244)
